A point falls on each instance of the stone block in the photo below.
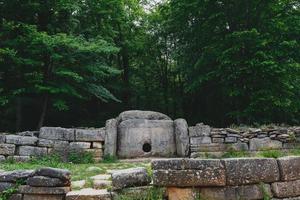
(246, 192)
(32, 151)
(13, 176)
(213, 147)
(61, 145)
(230, 139)
(200, 140)
(182, 137)
(21, 140)
(239, 146)
(19, 158)
(97, 145)
(45, 143)
(175, 193)
(90, 135)
(7, 149)
(43, 197)
(289, 168)
(130, 178)
(29, 133)
(199, 130)
(257, 144)
(218, 140)
(5, 186)
(189, 172)
(26, 189)
(80, 145)
(57, 133)
(62, 174)
(2, 138)
(111, 133)
(42, 181)
(89, 194)
(286, 189)
(245, 171)
(101, 184)
(16, 197)
(2, 158)
(146, 138)
(138, 114)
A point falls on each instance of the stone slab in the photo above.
(97, 145)
(43, 197)
(138, 114)
(289, 168)
(42, 181)
(80, 145)
(32, 151)
(90, 135)
(182, 137)
(89, 194)
(26, 189)
(7, 149)
(286, 189)
(57, 133)
(21, 140)
(257, 144)
(62, 174)
(245, 171)
(111, 133)
(175, 193)
(13, 176)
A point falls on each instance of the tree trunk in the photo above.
(44, 111)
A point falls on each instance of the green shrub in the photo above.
(271, 154)
(81, 157)
(110, 159)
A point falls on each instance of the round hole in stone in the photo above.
(147, 147)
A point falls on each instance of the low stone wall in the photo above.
(22, 146)
(229, 179)
(41, 184)
(215, 141)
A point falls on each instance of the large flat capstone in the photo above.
(13, 176)
(57, 133)
(138, 114)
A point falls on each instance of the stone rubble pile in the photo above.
(22, 146)
(204, 138)
(229, 179)
(41, 184)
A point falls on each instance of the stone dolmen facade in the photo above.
(41, 184)
(229, 179)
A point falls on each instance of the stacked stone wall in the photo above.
(229, 179)
(41, 184)
(22, 146)
(215, 141)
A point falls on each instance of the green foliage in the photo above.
(152, 193)
(235, 154)
(109, 159)
(81, 157)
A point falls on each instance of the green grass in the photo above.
(78, 171)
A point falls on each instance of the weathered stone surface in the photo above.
(2, 138)
(257, 144)
(138, 114)
(97, 145)
(2, 158)
(130, 177)
(244, 171)
(111, 133)
(62, 174)
(189, 172)
(43, 197)
(57, 133)
(13, 176)
(200, 140)
(230, 139)
(246, 192)
(26, 189)
(199, 130)
(5, 185)
(7, 149)
(101, 184)
(42, 181)
(218, 140)
(90, 135)
(135, 134)
(89, 194)
(182, 137)
(286, 189)
(21, 140)
(16, 197)
(80, 145)
(32, 151)
(239, 146)
(45, 143)
(289, 168)
(19, 158)
(58, 145)
(174, 193)
(78, 184)
(29, 133)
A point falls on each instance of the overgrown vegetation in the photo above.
(6, 194)
(78, 63)
(153, 193)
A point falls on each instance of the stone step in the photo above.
(89, 194)
(101, 184)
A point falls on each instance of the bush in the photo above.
(82, 157)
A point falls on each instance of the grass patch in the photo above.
(153, 193)
(271, 154)
(235, 154)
